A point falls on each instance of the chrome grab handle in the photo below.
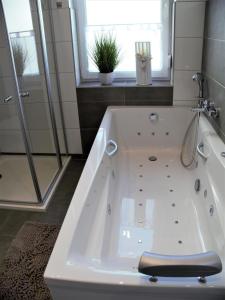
(24, 94)
(110, 144)
(200, 147)
(196, 265)
(7, 99)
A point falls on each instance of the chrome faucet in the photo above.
(208, 107)
(204, 105)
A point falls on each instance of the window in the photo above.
(129, 21)
(21, 32)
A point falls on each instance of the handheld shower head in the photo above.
(199, 78)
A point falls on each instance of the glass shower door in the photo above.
(33, 73)
(16, 182)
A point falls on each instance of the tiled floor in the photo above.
(12, 220)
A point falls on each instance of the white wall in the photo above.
(62, 39)
(187, 53)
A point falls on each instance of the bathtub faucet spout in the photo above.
(207, 107)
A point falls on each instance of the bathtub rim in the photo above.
(58, 270)
(148, 290)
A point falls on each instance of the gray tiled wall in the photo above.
(93, 101)
(214, 59)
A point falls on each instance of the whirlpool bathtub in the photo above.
(134, 195)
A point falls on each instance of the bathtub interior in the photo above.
(135, 205)
(135, 130)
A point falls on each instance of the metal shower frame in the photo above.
(19, 103)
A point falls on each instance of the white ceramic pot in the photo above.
(106, 78)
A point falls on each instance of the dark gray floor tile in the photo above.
(76, 164)
(51, 216)
(5, 242)
(12, 220)
(4, 213)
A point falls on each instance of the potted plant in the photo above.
(105, 56)
(20, 57)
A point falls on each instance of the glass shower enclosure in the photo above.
(33, 149)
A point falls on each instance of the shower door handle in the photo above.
(111, 144)
(24, 94)
(10, 98)
(7, 99)
(200, 148)
(196, 265)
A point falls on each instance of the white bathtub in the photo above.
(126, 204)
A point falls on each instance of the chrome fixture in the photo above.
(48, 80)
(201, 279)
(200, 80)
(207, 107)
(111, 148)
(10, 98)
(200, 151)
(7, 99)
(153, 279)
(24, 94)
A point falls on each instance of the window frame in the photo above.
(86, 76)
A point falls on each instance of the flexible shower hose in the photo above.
(193, 121)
